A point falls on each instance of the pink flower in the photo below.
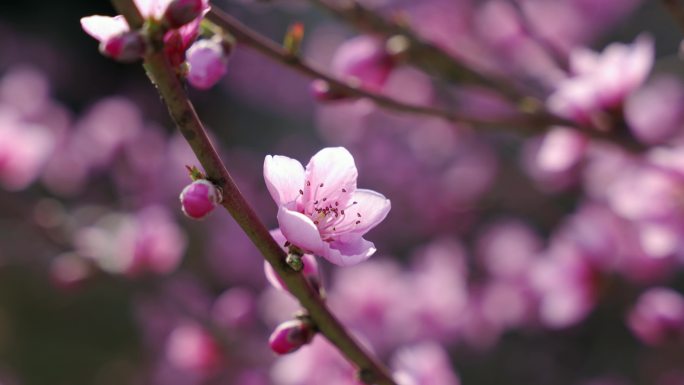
(290, 336)
(114, 33)
(426, 363)
(658, 316)
(363, 59)
(25, 148)
(199, 198)
(192, 348)
(320, 210)
(207, 61)
(601, 82)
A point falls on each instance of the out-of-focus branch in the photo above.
(530, 123)
(523, 123)
(676, 10)
(183, 113)
(420, 52)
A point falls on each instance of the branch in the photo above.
(183, 113)
(527, 124)
(267, 47)
(676, 11)
(429, 57)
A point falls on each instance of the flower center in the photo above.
(331, 217)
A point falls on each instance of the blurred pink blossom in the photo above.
(426, 363)
(190, 347)
(601, 82)
(363, 59)
(658, 316)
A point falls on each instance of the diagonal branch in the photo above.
(423, 54)
(183, 113)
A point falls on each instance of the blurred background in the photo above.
(489, 270)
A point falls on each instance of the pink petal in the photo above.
(152, 8)
(103, 28)
(332, 174)
(349, 253)
(284, 178)
(300, 230)
(370, 209)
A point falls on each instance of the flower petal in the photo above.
(332, 175)
(300, 230)
(103, 28)
(284, 178)
(349, 253)
(152, 8)
(370, 209)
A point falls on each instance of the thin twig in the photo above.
(525, 124)
(420, 52)
(183, 113)
(267, 47)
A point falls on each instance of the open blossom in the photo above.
(602, 82)
(320, 210)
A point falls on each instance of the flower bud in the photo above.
(199, 198)
(125, 47)
(291, 335)
(363, 59)
(207, 61)
(181, 12)
(658, 316)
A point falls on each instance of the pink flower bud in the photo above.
(127, 46)
(199, 198)
(658, 316)
(181, 12)
(365, 60)
(309, 271)
(291, 335)
(207, 61)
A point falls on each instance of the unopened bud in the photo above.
(126, 47)
(363, 60)
(207, 62)
(291, 335)
(199, 198)
(181, 12)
